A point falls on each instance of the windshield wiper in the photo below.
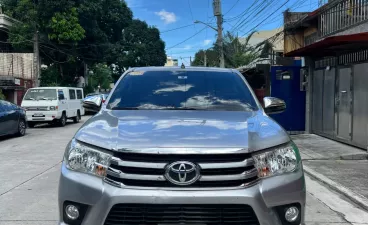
(125, 108)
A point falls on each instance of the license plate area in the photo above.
(38, 115)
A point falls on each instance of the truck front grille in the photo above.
(181, 214)
(37, 108)
(148, 170)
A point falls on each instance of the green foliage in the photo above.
(88, 89)
(2, 96)
(211, 55)
(237, 52)
(102, 76)
(75, 33)
(50, 77)
(65, 27)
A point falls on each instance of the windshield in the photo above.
(41, 94)
(194, 90)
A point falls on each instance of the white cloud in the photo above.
(167, 17)
(207, 42)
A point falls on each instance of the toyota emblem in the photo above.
(182, 173)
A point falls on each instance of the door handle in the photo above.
(344, 92)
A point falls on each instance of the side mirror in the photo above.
(273, 105)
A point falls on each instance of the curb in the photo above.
(354, 197)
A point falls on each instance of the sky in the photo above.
(183, 38)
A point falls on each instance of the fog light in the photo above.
(292, 214)
(72, 212)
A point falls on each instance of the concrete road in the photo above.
(30, 168)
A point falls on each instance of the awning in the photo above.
(333, 46)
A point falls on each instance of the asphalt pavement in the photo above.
(30, 168)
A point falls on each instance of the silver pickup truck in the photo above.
(178, 145)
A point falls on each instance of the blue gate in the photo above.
(286, 84)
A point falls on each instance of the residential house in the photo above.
(334, 43)
(16, 69)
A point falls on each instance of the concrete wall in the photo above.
(19, 65)
(293, 42)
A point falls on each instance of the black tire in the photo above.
(31, 124)
(62, 120)
(77, 118)
(22, 127)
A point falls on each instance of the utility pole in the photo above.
(36, 60)
(190, 61)
(218, 13)
(205, 58)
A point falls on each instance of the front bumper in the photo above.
(47, 116)
(263, 197)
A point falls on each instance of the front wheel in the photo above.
(62, 120)
(21, 128)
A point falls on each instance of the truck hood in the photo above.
(158, 131)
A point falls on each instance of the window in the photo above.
(61, 95)
(79, 94)
(202, 90)
(41, 94)
(72, 94)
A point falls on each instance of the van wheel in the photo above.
(21, 128)
(31, 124)
(77, 118)
(62, 120)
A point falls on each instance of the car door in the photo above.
(9, 118)
(72, 103)
(3, 121)
(63, 105)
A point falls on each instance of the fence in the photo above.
(18, 65)
(341, 15)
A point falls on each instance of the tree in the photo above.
(140, 46)
(102, 76)
(75, 33)
(211, 55)
(238, 52)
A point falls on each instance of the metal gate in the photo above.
(286, 84)
(344, 103)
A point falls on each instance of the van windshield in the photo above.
(182, 90)
(41, 94)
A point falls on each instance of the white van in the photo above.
(53, 104)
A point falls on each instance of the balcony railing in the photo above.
(310, 39)
(343, 15)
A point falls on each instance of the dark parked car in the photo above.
(93, 102)
(12, 119)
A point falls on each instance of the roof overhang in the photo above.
(333, 46)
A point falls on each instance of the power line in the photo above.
(232, 7)
(189, 25)
(266, 18)
(186, 39)
(191, 13)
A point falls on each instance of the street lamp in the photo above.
(219, 39)
(215, 29)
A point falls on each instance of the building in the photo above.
(171, 62)
(333, 41)
(16, 69)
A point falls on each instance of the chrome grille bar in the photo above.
(216, 170)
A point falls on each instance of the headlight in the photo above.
(52, 108)
(82, 158)
(283, 159)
